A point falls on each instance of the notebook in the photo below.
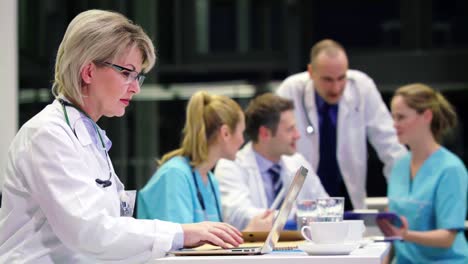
(260, 236)
(273, 235)
(370, 217)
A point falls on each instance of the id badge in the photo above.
(127, 202)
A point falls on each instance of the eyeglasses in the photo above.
(130, 74)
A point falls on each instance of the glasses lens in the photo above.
(141, 79)
(134, 76)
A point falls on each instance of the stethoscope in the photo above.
(200, 197)
(103, 183)
(310, 128)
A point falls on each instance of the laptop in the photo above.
(273, 235)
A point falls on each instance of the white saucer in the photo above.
(363, 242)
(328, 249)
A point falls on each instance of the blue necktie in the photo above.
(275, 172)
(328, 169)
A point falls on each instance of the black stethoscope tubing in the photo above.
(103, 183)
(200, 197)
(310, 129)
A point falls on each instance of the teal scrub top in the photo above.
(435, 199)
(171, 195)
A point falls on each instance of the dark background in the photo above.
(258, 43)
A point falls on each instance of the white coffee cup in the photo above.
(326, 232)
(355, 230)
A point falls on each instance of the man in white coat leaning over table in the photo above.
(340, 109)
(266, 165)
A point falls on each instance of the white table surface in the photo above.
(370, 254)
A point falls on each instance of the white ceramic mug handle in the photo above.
(303, 233)
(363, 228)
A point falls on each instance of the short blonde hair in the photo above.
(421, 97)
(206, 113)
(96, 36)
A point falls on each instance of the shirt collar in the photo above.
(264, 164)
(84, 129)
(321, 103)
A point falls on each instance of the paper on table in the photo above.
(280, 245)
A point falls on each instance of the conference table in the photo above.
(372, 253)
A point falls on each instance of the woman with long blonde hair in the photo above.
(184, 189)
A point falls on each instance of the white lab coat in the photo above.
(362, 114)
(242, 190)
(53, 210)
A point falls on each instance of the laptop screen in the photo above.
(282, 217)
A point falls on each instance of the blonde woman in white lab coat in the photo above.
(62, 202)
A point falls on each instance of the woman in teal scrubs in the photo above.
(428, 186)
(183, 189)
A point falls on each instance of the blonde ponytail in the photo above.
(206, 113)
